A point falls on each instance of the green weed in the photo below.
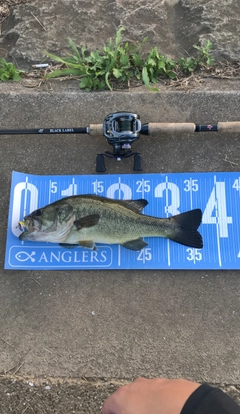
(188, 64)
(203, 59)
(9, 71)
(124, 62)
(98, 68)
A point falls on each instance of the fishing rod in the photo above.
(121, 129)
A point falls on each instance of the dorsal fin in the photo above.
(135, 205)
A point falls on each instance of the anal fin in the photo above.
(88, 244)
(137, 244)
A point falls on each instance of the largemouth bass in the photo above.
(88, 219)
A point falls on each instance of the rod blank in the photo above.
(44, 131)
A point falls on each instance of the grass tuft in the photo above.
(123, 62)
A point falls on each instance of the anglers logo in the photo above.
(51, 257)
(41, 130)
(24, 256)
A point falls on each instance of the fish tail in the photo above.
(186, 231)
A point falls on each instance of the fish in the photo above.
(84, 220)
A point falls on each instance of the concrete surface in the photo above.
(146, 323)
(172, 25)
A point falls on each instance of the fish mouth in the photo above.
(32, 224)
(29, 225)
(34, 230)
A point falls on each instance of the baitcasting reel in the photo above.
(121, 129)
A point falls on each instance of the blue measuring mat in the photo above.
(217, 194)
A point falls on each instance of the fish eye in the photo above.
(38, 212)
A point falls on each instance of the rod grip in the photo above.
(171, 128)
(229, 127)
(96, 129)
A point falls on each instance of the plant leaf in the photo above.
(172, 75)
(146, 81)
(137, 60)
(107, 82)
(57, 58)
(124, 60)
(66, 61)
(85, 82)
(63, 72)
(117, 73)
(4, 77)
(118, 36)
(145, 77)
(16, 77)
(74, 48)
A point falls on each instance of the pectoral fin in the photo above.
(87, 221)
(137, 244)
(88, 244)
